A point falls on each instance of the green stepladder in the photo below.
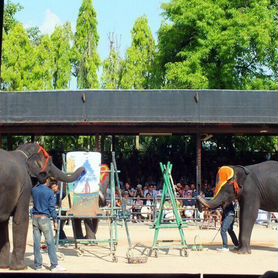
(168, 193)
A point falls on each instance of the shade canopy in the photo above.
(148, 112)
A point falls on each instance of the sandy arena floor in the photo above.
(97, 259)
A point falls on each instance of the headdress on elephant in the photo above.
(226, 174)
(46, 155)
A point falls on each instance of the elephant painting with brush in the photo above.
(255, 186)
(16, 170)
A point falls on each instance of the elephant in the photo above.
(17, 168)
(254, 186)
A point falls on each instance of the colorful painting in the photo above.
(85, 191)
(91, 161)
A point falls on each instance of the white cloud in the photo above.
(51, 20)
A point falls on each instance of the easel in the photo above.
(112, 218)
(168, 192)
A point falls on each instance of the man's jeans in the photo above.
(227, 226)
(43, 225)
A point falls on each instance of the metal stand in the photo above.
(124, 212)
(112, 217)
(115, 215)
(169, 193)
(131, 258)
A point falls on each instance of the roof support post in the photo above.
(98, 143)
(198, 162)
(113, 143)
(10, 142)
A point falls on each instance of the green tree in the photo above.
(10, 10)
(137, 70)
(35, 35)
(256, 143)
(112, 68)
(27, 64)
(42, 71)
(61, 41)
(86, 59)
(219, 44)
(18, 59)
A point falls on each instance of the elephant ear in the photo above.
(224, 174)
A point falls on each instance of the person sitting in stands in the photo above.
(154, 191)
(168, 214)
(149, 205)
(127, 202)
(194, 193)
(188, 203)
(139, 190)
(136, 209)
(149, 191)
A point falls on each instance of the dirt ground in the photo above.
(97, 259)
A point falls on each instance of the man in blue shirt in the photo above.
(43, 210)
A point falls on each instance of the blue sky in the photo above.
(114, 16)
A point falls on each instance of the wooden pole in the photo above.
(198, 162)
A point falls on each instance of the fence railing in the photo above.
(188, 213)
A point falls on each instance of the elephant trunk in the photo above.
(214, 203)
(61, 176)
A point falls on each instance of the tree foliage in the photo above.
(26, 65)
(18, 59)
(219, 44)
(112, 68)
(10, 9)
(86, 59)
(34, 35)
(42, 68)
(139, 60)
(62, 53)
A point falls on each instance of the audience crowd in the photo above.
(142, 200)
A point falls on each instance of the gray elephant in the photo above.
(16, 170)
(255, 186)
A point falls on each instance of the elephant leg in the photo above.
(20, 229)
(4, 244)
(248, 215)
(91, 226)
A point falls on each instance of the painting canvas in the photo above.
(84, 193)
